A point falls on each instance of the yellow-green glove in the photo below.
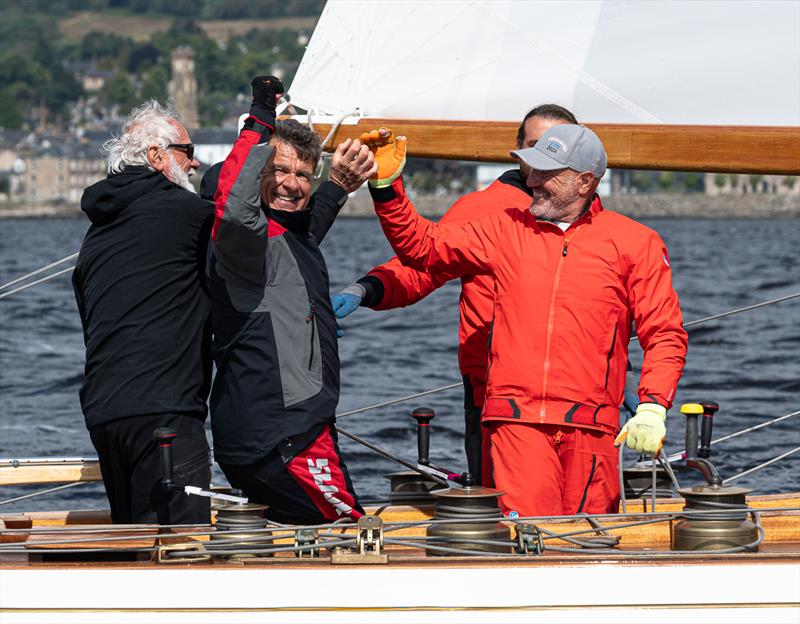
(645, 431)
(390, 155)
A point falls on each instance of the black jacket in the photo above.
(274, 327)
(138, 285)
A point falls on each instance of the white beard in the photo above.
(178, 176)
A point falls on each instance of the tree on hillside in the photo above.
(118, 91)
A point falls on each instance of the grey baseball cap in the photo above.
(566, 146)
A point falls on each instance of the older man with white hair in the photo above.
(145, 315)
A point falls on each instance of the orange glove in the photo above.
(390, 155)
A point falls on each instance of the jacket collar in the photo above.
(296, 222)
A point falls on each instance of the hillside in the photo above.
(142, 27)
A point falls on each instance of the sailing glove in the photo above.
(266, 90)
(348, 300)
(645, 431)
(390, 155)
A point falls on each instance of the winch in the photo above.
(411, 487)
(716, 515)
(471, 514)
(240, 527)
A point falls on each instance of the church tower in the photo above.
(183, 87)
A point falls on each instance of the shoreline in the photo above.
(636, 206)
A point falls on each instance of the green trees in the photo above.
(39, 63)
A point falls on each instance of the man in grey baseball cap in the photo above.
(565, 167)
(570, 280)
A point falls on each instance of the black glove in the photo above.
(265, 89)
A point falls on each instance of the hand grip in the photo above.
(165, 437)
(706, 427)
(423, 416)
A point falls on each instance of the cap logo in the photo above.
(553, 145)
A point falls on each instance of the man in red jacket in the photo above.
(393, 285)
(570, 281)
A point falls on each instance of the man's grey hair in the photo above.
(146, 125)
(304, 140)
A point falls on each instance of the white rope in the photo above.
(42, 492)
(400, 400)
(764, 465)
(37, 271)
(34, 283)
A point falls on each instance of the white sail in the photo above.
(638, 62)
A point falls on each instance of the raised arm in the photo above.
(239, 234)
(352, 164)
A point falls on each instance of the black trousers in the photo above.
(473, 433)
(129, 462)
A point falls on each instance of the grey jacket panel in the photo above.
(241, 238)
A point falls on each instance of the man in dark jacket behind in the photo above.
(145, 315)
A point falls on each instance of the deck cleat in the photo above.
(308, 539)
(529, 539)
(478, 511)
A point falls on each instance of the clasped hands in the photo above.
(376, 155)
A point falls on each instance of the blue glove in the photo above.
(347, 301)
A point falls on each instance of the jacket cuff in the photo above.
(264, 129)
(333, 191)
(374, 290)
(387, 194)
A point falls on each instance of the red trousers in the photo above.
(553, 469)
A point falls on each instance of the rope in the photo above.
(42, 492)
(34, 283)
(400, 400)
(37, 271)
(736, 311)
(682, 454)
(764, 465)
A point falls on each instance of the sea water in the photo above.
(749, 363)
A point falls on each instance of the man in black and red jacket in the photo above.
(277, 386)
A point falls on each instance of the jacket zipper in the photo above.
(608, 356)
(551, 323)
(310, 319)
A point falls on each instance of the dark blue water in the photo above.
(749, 363)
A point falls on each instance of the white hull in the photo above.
(745, 592)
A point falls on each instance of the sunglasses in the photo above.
(186, 148)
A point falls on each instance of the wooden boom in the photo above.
(53, 471)
(724, 149)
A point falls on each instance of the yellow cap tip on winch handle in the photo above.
(692, 408)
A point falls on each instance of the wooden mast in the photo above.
(724, 149)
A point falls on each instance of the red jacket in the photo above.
(564, 306)
(404, 285)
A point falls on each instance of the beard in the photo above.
(178, 176)
(549, 207)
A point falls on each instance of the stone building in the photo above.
(55, 172)
(183, 87)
